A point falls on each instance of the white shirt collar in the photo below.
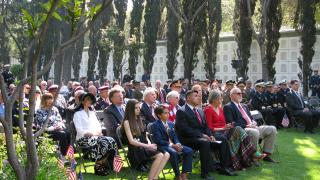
(190, 106)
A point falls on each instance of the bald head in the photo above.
(158, 84)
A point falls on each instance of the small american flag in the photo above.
(71, 174)
(117, 163)
(70, 152)
(60, 163)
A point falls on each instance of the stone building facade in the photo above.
(286, 64)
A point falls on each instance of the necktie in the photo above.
(198, 115)
(161, 97)
(121, 112)
(298, 95)
(244, 115)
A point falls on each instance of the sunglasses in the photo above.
(239, 93)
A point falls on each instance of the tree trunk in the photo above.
(264, 63)
(10, 144)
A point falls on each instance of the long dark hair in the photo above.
(135, 122)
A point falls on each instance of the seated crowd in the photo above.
(170, 123)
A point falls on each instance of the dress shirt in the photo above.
(86, 123)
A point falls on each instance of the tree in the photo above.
(305, 16)
(135, 36)
(172, 41)
(273, 25)
(39, 24)
(163, 21)
(187, 16)
(93, 49)
(211, 34)
(242, 28)
(119, 44)
(4, 38)
(150, 31)
(104, 44)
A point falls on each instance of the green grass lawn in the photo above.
(299, 154)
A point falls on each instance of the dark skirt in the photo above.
(139, 156)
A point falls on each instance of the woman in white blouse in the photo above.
(89, 134)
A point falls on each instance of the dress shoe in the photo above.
(259, 156)
(269, 159)
(227, 171)
(206, 177)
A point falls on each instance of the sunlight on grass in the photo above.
(307, 148)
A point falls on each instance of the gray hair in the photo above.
(213, 95)
(148, 91)
(172, 94)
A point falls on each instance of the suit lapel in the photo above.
(236, 110)
(162, 128)
(190, 112)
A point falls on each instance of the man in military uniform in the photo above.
(274, 102)
(103, 100)
(314, 84)
(226, 92)
(260, 102)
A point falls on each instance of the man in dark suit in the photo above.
(314, 83)
(114, 113)
(238, 113)
(298, 108)
(167, 140)
(148, 105)
(193, 131)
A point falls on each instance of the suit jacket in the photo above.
(161, 135)
(112, 119)
(187, 125)
(147, 113)
(232, 114)
(293, 101)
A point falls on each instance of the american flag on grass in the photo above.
(71, 174)
(70, 152)
(60, 163)
(117, 163)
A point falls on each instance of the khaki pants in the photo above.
(266, 133)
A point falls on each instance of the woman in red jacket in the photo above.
(243, 152)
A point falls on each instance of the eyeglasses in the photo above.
(239, 93)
